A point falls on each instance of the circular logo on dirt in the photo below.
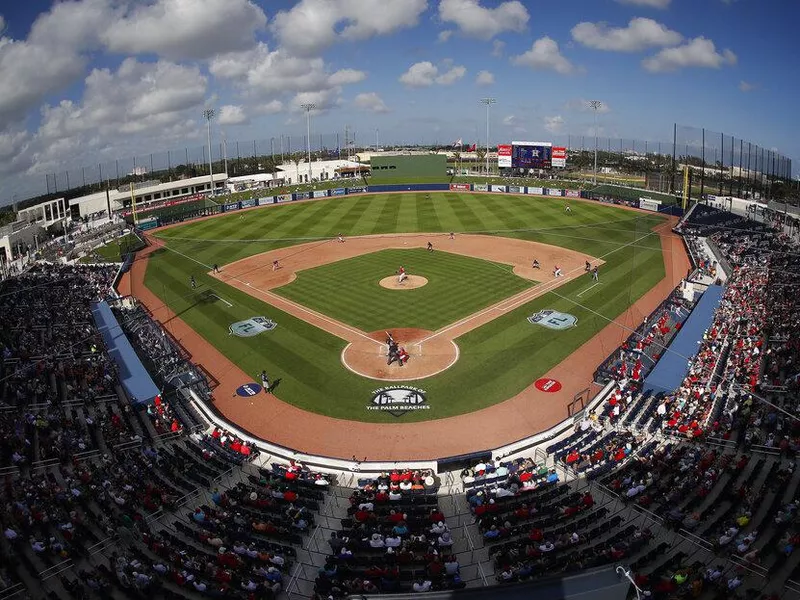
(248, 389)
(550, 386)
(398, 400)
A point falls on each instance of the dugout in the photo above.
(408, 168)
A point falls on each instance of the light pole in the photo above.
(595, 106)
(225, 151)
(376, 139)
(308, 108)
(208, 114)
(488, 102)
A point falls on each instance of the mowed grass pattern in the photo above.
(457, 286)
(497, 360)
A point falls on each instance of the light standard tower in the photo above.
(595, 105)
(208, 114)
(308, 108)
(488, 102)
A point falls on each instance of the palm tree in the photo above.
(296, 159)
(457, 160)
(481, 154)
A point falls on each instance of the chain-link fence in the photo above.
(717, 163)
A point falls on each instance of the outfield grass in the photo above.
(497, 360)
(457, 286)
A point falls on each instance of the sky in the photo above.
(88, 81)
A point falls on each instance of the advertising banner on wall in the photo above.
(559, 157)
(147, 224)
(504, 155)
(551, 192)
(338, 192)
(572, 193)
(514, 189)
(283, 198)
(356, 190)
(460, 187)
(499, 188)
(231, 206)
(649, 204)
(320, 193)
(480, 187)
(264, 201)
(536, 191)
(531, 155)
(247, 203)
(302, 195)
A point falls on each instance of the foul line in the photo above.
(587, 289)
(282, 299)
(523, 298)
(222, 300)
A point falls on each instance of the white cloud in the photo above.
(262, 71)
(639, 34)
(484, 78)
(477, 21)
(554, 124)
(498, 47)
(544, 55)
(323, 100)
(426, 74)
(744, 86)
(510, 120)
(647, 3)
(699, 52)
(159, 102)
(444, 35)
(310, 26)
(581, 105)
(270, 108)
(372, 102)
(232, 115)
(186, 29)
(346, 77)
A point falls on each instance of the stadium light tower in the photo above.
(595, 105)
(208, 115)
(488, 102)
(308, 108)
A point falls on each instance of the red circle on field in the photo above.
(545, 384)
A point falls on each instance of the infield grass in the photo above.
(457, 286)
(497, 360)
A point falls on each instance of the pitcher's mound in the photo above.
(409, 283)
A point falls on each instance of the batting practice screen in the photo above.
(408, 167)
(531, 155)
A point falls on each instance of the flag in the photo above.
(472, 148)
(458, 142)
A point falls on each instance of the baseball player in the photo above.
(275, 265)
(595, 274)
(340, 239)
(557, 271)
(452, 235)
(401, 275)
(430, 247)
(568, 209)
(536, 264)
(192, 282)
(265, 381)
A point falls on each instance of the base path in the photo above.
(523, 415)
(432, 353)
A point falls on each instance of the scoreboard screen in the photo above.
(526, 155)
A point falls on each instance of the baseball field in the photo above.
(467, 328)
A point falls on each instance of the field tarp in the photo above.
(134, 377)
(673, 365)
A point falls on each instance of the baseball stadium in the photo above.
(560, 369)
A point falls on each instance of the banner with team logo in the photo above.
(252, 327)
(398, 400)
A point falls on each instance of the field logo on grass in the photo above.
(397, 400)
(252, 327)
(552, 319)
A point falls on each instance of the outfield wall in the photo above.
(396, 188)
